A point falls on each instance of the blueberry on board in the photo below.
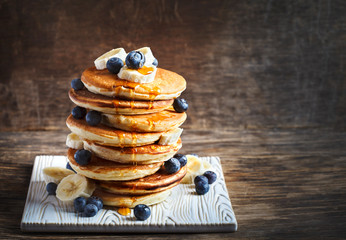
(180, 105)
(79, 204)
(96, 201)
(78, 112)
(200, 178)
(142, 212)
(135, 60)
(114, 65)
(155, 63)
(181, 158)
(211, 176)
(77, 84)
(82, 157)
(90, 210)
(93, 118)
(68, 166)
(202, 187)
(51, 188)
(172, 165)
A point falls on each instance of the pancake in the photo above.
(104, 104)
(157, 182)
(101, 169)
(166, 85)
(142, 155)
(154, 122)
(111, 199)
(105, 135)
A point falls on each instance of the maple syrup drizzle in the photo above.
(124, 211)
(151, 124)
(150, 105)
(145, 70)
(121, 137)
(133, 199)
(115, 104)
(131, 93)
(134, 138)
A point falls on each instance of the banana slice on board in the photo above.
(55, 174)
(195, 167)
(74, 186)
(73, 141)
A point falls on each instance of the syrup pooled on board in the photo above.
(124, 211)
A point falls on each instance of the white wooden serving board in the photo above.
(182, 211)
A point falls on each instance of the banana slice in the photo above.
(74, 186)
(55, 174)
(134, 75)
(195, 167)
(149, 57)
(143, 75)
(170, 137)
(101, 62)
(73, 141)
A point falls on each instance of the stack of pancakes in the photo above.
(127, 147)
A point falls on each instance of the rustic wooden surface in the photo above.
(266, 88)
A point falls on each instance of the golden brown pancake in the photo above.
(111, 199)
(154, 122)
(166, 85)
(105, 135)
(101, 169)
(157, 182)
(142, 155)
(105, 104)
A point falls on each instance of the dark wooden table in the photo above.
(266, 89)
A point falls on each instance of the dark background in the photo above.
(265, 85)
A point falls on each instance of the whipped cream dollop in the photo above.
(145, 74)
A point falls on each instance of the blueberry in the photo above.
(202, 187)
(211, 176)
(135, 60)
(155, 63)
(78, 112)
(180, 105)
(194, 154)
(114, 65)
(142, 212)
(172, 165)
(93, 118)
(82, 157)
(79, 204)
(77, 84)
(51, 188)
(200, 178)
(181, 158)
(96, 201)
(90, 210)
(68, 166)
